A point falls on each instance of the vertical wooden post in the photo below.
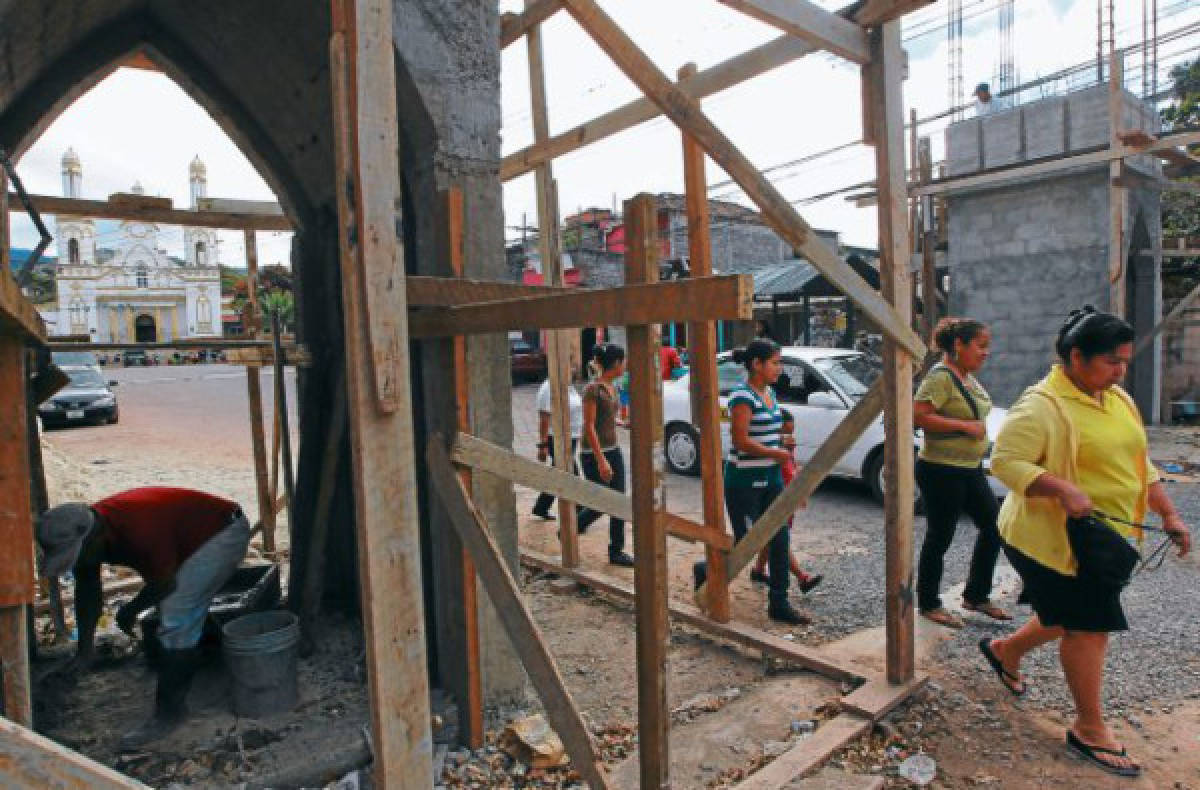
(702, 342)
(649, 530)
(16, 523)
(251, 319)
(929, 278)
(1116, 193)
(884, 84)
(559, 364)
(375, 314)
(471, 704)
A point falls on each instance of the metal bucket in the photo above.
(260, 650)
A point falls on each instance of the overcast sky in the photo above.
(138, 125)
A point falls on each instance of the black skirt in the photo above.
(1067, 601)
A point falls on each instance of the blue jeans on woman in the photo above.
(745, 505)
(591, 471)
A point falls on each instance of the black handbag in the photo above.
(1104, 555)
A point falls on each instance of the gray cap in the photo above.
(60, 533)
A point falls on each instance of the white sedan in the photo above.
(818, 386)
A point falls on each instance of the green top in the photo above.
(954, 449)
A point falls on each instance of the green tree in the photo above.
(281, 303)
(1184, 110)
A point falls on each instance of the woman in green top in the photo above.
(951, 408)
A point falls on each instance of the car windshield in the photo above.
(72, 358)
(85, 379)
(853, 374)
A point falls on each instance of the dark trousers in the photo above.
(544, 500)
(591, 470)
(745, 505)
(948, 492)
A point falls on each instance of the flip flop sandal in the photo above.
(987, 608)
(985, 647)
(1092, 754)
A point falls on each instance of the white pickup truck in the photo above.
(818, 386)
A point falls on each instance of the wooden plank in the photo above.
(367, 167)
(1176, 313)
(726, 74)
(725, 297)
(514, 614)
(558, 362)
(293, 356)
(877, 698)
(59, 344)
(705, 400)
(471, 690)
(779, 213)
(649, 501)
(17, 577)
(448, 291)
(885, 85)
(807, 754)
(929, 278)
(809, 22)
(513, 26)
(1117, 195)
(718, 543)
(14, 663)
(483, 455)
(1053, 164)
(262, 483)
(164, 215)
(31, 760)
(770, 644)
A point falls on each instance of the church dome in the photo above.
(197, 169)
(137, 188)
(70, 159)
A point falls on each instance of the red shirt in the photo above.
(153, 530)
(669, 360)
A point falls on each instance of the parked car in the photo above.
(67, 360)
(528, 363)
(87, 398)
(134, 356)
(818, 386)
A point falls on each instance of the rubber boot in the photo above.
(170, 699)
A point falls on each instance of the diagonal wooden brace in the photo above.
(518, 622)
(779, 213)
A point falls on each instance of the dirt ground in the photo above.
(733, 709)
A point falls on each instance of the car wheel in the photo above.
(682, 448)
(874, 479)
(114, 418)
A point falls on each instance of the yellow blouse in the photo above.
(1100, 445)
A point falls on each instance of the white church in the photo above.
(129, 290)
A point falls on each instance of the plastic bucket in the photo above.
(260, 651)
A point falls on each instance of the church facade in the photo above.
(128, 289)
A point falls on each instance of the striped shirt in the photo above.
(766, 428)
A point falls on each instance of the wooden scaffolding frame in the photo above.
(868, 34)
(376, 316)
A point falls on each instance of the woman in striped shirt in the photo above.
(753, 472)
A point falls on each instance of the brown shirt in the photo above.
(606, 414)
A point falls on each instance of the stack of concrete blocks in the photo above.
(1023, 253)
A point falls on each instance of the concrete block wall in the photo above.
(1023, 254)
(1076, 122)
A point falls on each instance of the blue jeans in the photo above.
(745, 505)
(181, 614)
(587, 517)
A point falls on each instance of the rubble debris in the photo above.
(532, 741)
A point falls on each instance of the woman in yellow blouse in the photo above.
(1072, 445)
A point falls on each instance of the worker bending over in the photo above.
(185, 545)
